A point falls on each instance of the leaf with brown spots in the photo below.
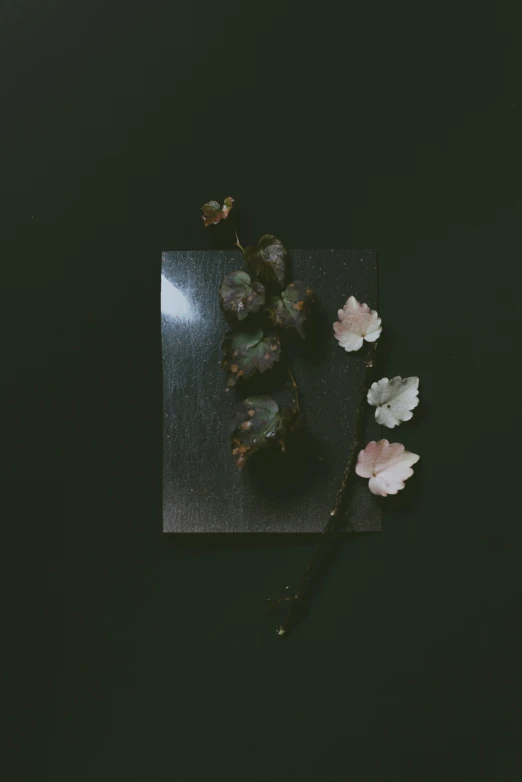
(256, 423)
(240, 295)
(268, 259)
(248, 352)
(213, 212)
(290, 310)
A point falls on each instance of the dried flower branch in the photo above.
(298, 603)
(258, 421)
(249, 351)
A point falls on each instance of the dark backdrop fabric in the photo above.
(139, 656)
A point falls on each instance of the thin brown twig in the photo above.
(300, 600)
(238, 243)
(296, 391)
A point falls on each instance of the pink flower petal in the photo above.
(356, 323)
(387, 465)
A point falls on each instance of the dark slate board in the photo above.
(202, 489)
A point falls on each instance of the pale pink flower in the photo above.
(394, 399)
(356, 323)
(387, 465)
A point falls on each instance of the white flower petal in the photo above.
(372, 336)
(347, 340)
(356, 323)
(387, 465)
(379, 486)
(394, 399)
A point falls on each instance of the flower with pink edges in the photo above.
(387, 465)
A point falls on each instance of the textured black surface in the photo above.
(275, 492)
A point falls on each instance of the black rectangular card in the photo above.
(203, 491)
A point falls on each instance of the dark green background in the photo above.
(141, 657)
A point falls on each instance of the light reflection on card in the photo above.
(174, 303)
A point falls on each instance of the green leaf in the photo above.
(213, 212)
(290, 310)
(258, 422)
(240, 295)
(268, 259)
(247, 353)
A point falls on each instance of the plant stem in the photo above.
(296, 391)
(238, 243)
(299, 602)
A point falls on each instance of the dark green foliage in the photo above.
(258, 422)
(247, 353)
(268, 259)
(290, 310)
(240, 295)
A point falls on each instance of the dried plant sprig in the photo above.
(250, 351)
(258, 421)
(297, 603)
(213, 212)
